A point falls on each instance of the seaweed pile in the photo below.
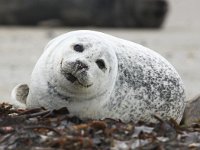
(57, 129)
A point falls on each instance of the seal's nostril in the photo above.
(80, 65)
(70, 77)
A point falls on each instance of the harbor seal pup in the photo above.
(98, 76)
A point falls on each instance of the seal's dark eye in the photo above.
(78, 48)
(101, 64)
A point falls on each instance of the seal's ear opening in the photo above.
(19, 95)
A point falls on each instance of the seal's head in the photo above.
(81, 63)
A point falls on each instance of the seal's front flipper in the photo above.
(192, 111)
(19, 95)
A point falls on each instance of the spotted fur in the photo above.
(97, 76)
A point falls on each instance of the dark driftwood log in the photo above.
(113, 13)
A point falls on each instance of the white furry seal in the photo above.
(97, 76)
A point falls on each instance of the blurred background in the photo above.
(170, 27)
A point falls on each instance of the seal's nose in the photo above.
(80, 65)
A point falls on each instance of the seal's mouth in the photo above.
(70, 77)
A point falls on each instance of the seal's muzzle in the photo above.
(76, 72)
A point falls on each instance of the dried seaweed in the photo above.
(58, 129)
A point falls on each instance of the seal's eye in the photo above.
(78, 48)
(101, 64)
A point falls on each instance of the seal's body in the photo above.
(100, 76)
